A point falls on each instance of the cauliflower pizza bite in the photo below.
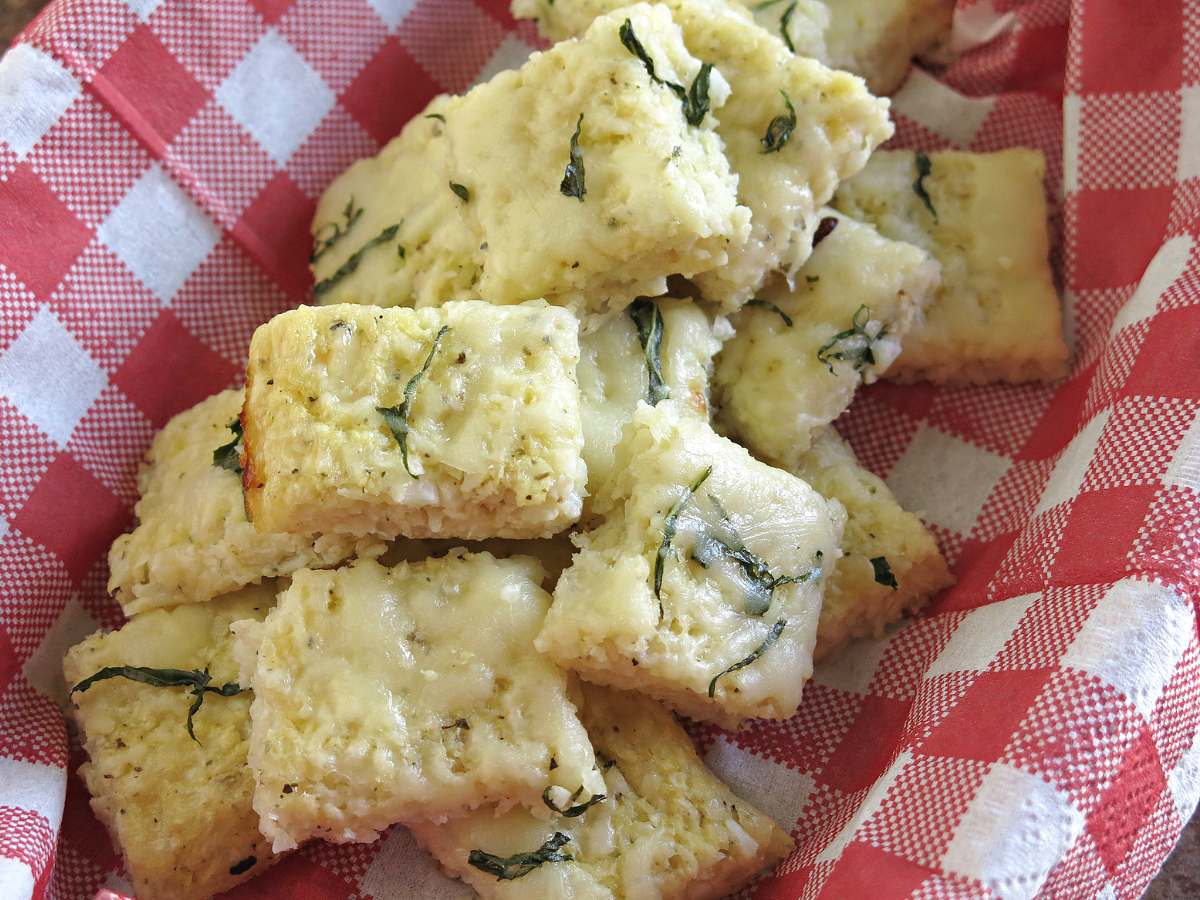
(702, 584)
(799, 354)
(996, 316)
(459, 421)
(179, 809)
(792, 129)
(440, 214)
(665, 828)
(392, 695)
(193, 540)
(660, 348)
(890, 562)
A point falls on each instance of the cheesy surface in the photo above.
(610, 624)
(614, 376)
(660, 197)
(838, 124)
(996, 316)
(179, 810)
(667, 828)
(854, 302)
(193, 540)
(858, 602)
(493, 432)
(394, 695)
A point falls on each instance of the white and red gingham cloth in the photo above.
(1035, 733)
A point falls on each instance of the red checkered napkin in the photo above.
(1034, 734)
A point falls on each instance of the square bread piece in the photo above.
(799, 354)
(997, 315)
(660, 197)
(739, 552)
(179, 810)
(673, 339)
(667, 828)
(363, 420)
(392, 695)
(881, 543)
(837, 124)
(193, 540)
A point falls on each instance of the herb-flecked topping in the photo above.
(696, 105)
(883, 572)
(779, 131)
(924, 170)
(508, 868)
(332, 232)
(350, 266)
(460, 191)
(694, 100)
(573, 184)
(397, 416)
(772, 637)
(824, 229)
(784, 21)
(852, 345)
(229, 456)
(670, 524)
(437, 116)
(768, 305)
(571, 811)
(649, 322)
(198, 682)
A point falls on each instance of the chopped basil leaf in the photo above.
(670, 523)
(437, 116)
(883, 572)
(228, 456)
(197, 681)
(779, 131)
(573, 179)
(696, 105)
(351, 264)
(507, 868)
(244, 866)
(772, 637)
(695, 100)
(397, 416)
(463, 194)
(648, 319)
(924, 170)
(634, 46)
(332, 232)
(784, 21)
(852, 345)
(572, 811)
(767, 304)
(824, 229)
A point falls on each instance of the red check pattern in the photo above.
(1035, 733)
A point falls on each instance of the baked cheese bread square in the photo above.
(890, 562)
(179, 809)
(792, 129)
(651, 193)
(666, 828)
(458, 421)
(997, 315)
(393, 695)
(660, 348)
(799, 353)
(701, 585)
(193, 540)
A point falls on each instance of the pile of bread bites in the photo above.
(550, 459)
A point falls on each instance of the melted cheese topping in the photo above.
(774, 387)
(660, 199)
(668, 829)
(178, 810)
(193, 540)
(494, 432)
(838, 124)
(605, 621)
(403, 694)
(997, 315)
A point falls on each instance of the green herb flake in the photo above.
(883, 572)
(670, 523)
(350, 266)
(437, 116)
(509, 868)
(331, 232)
(694, 100)
(244, 865)
(229, 456)
(396, 417)
(461, 192)
(768, 305)
(195, 680)
(852, 345)
(784, 21)
(573, 184)
(924, 170)
(696, 104)
(772, 637)
(649, 322)
(779, 131)
(570, 812)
